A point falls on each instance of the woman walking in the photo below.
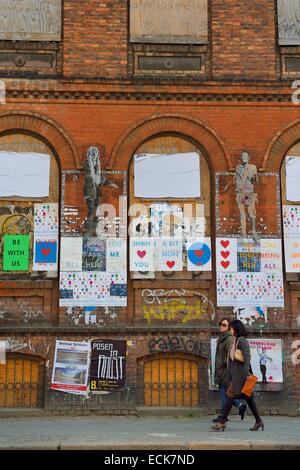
(239, 370)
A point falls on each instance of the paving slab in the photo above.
(160, 433)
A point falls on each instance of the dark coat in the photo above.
(239, 371)
(224, 344)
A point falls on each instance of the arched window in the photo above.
(171, 380)
(29, 226)
(170, 228)
(21, 381)
(290, 194)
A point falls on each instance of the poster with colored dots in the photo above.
(92, 289)
(250, 289)
(291, 228)
(46, 218)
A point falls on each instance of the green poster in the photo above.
(16, 253)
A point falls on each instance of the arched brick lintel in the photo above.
(200, 134)
(45, 129)
(280, 145)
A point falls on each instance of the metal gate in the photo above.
(171, 381)
(21, 382)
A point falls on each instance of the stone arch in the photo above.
(198, 133)
(43, 128)
(280, 145)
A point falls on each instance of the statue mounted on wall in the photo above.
(91, 191)
(245, 178)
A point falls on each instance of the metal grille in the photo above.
(19, 383)
(171, 381)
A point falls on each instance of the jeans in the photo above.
(222, 391)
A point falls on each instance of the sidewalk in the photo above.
(127, 433)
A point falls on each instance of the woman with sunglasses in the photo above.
(238, 372)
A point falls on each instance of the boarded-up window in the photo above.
(21, 382)
(171, 381)
(168, 21)
(288, 22)
(30, 20)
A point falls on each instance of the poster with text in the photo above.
(141, 254)
(71, 367)
(169, 254)
(71, 254)
(16, 253)
(45, 253)
(108, 365)
(291, 229)
(116, 251)
(266, 359)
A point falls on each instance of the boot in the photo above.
(219, 427)
(258, 421)
(257, 426)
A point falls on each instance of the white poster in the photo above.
(141, 254)
(226, 254)
(169, 254)
(71, 254)
(245, 289)
(24, 174)
(266, 359)
(212, 378)
(2, 352)
(258, 278)
(46, 218)
(270, 255)
(199, 254)
(93, 289)
(292, 178)
(291, 228)
(161, 175)
(71, 367)
(116, 255)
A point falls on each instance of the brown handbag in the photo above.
(249, 385)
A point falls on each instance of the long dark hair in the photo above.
(239, 328)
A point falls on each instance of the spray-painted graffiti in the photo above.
(41, 348)
(296, 354)
(171, 305)
(176, 310)
(188, 344)
(19, 310)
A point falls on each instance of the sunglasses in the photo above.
(223, 324)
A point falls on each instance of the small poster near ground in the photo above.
(108, 365)
(71, 367)
(266, 359)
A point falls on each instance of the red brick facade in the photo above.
(242, 104)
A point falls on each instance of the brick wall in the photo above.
(243, 39)
(95, 38)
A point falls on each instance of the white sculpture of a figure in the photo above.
(245, 178)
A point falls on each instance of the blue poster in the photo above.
(45, 252)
